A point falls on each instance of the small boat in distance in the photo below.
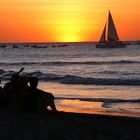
(2, 46)
(15, 46)
(109, 38)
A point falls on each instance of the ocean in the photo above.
(81, 77)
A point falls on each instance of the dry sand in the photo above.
(66, 126)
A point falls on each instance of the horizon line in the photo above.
(60, 42)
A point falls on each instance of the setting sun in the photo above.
(66, 21)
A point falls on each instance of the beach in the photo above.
(96, 97)
(66, 126)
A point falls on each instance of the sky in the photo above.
(66, 21)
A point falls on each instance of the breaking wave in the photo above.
(72, 79)
(69, 63)
(104, 100)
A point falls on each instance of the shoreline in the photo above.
(102, 113)
(68, 99)
(66, 126)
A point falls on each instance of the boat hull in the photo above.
(110, 45)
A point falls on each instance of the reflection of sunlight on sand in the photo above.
(79, 106)
(90, 108)
(91, 91)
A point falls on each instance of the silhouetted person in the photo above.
(23, 98)
(12, 86)
(11, 89)
(44, 99)
(19, 95)
(27, 98)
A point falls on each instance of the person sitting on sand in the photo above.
(17, 94)
(12, 89)
(23, 97)
(44, 99)
(14, 84)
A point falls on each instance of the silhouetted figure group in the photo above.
(21, 93)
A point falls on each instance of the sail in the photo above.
(112, 40)
(112, 32)
(103, 37)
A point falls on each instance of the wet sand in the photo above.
(68, 99)
(66, 126)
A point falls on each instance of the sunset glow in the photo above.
(66, 21)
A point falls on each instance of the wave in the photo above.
(119, 72)
(72, 79)
(104, 100)
(68, 63)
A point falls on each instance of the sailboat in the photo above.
(109, 37)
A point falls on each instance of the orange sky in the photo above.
(61, 20)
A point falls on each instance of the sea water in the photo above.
(81, 77)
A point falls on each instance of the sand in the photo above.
(66, 126)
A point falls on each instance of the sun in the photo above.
(69, 33)
(69, 38)
(69, 30)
